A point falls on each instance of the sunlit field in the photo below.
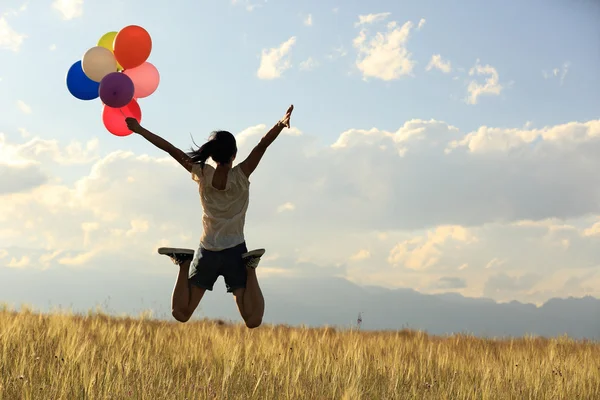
(66, 356)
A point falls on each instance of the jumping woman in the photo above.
(224, 194)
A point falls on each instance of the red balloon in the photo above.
(114, 118)
(132, 46)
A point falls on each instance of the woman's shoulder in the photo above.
(198, 173)
(240, 173)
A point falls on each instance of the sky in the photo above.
(433, 147)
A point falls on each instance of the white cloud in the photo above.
(495, 262)
(384, 55)
(356, 136)
(69, 9)
(421, 23)
(9, 38)
(249, 133)
(488, 139)
(309, 64)
(46, 259)
(437, 62)
(564, 73)
(248, 5)
(12, 12)
(49, 150)
(9, 154)
(409, 135)
(21, 263)
(308, 20)
(440, 218)
(21, 165)
(52, 47)
(286, 207)
(15, 178)
(491, 86)
(593, 230)
(79, 259)
(276, 60)
(24, 133)
(383, 236)
(371, 18)
(548, 75)
(251, 136)
(25, 108)
(361, 255)
(420, 252)
(550, 224)
(337, 52)
(560, 73)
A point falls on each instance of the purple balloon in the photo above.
(116, 90)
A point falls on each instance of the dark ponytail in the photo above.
(201, 155)
(221, 147)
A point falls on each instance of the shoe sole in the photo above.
(254, 253)
(174, 250)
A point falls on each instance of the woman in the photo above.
(224, 194)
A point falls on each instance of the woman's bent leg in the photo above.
(186, 296)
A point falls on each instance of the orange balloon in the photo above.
(132, 46)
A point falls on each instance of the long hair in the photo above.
(221, 147)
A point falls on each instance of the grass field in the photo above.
(62, 356)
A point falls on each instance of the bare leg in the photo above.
(186, 297)
(254, 296)
(250, 301)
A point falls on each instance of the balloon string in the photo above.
(122, 113)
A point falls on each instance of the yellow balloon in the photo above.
(107, 41)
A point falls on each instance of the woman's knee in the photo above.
(181, 315)
(253, 322)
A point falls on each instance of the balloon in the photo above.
(116, 90)
(107, 40)
(114, 118)
(132, 46)
(79, 85)
(145, 79)
(98, 62)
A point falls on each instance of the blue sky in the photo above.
(432, 142)
(208, 54)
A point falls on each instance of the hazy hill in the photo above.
(309, 301)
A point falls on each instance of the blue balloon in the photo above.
(80, 85)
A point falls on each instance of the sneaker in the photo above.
(252, 258)
(178, 256)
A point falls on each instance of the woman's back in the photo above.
(224, 209)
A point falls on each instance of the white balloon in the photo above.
(98, 62)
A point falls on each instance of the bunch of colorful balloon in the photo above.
(116, 70)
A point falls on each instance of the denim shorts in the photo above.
(208, 265)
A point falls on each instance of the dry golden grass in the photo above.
(63, 356)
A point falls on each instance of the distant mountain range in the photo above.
(337, 302)
(309, 301)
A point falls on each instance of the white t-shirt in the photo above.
(224, 210)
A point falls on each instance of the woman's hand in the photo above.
(133, 125)
(286, 119)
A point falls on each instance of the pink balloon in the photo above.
(145, 79)
(114, 118)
